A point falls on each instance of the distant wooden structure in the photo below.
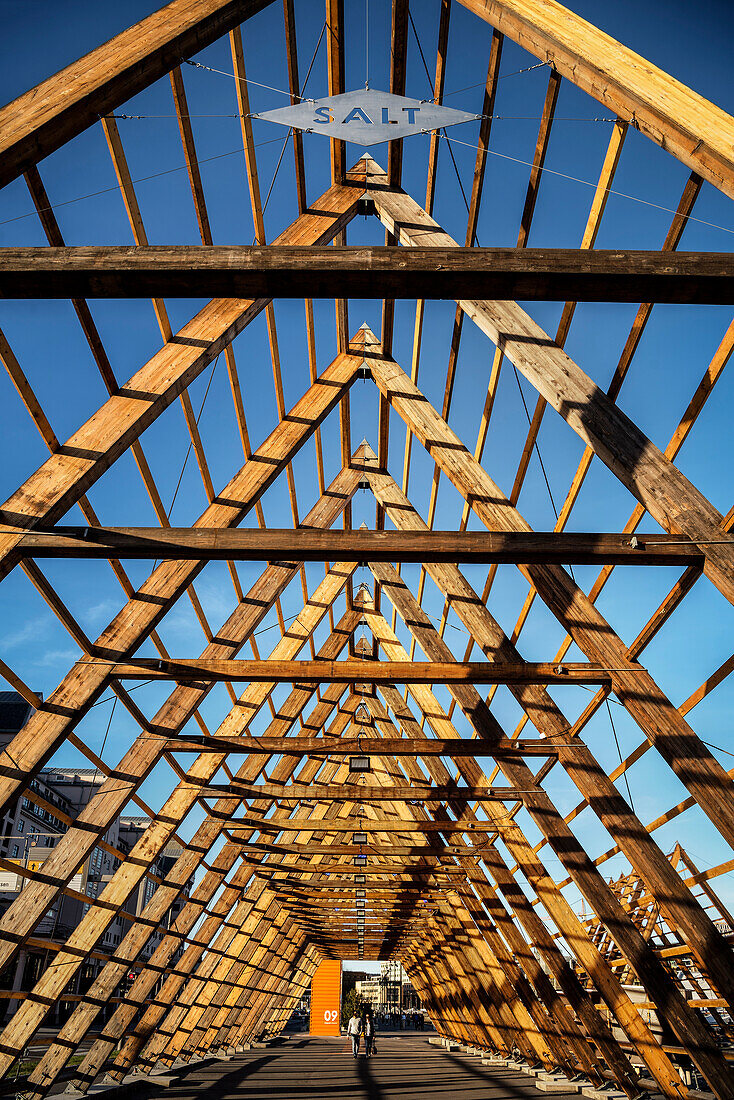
(423, 858)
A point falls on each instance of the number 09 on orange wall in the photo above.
(326, 996)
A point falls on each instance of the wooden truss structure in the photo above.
(455, 882)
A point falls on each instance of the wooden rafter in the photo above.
(454, 879)
(256, 271)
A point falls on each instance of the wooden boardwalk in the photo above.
(301, 1067)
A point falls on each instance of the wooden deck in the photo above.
(406, 1067)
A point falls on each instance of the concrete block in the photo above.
(127, 1087)
(162, 1078)
(556, 1084)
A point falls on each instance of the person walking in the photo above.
(354, 1030)
(368, 1028)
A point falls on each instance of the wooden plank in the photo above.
(335, 67)
(248, 544)
(278, 271)
(690, 127)
(356, 824)
(304, 792)
(423, 877)
(61, 107)
(373, 746)
(329, 672)
(288, 870)
(372, 848)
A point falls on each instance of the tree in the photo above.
(352, 1003)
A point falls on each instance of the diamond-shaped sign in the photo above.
(366, 117)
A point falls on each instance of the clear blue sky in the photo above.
(694, 44)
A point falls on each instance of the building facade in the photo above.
(29, 832)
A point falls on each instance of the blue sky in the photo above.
(677, 347)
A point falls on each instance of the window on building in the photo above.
(21, 825)
(15, 851)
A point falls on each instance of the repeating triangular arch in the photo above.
(265, 885)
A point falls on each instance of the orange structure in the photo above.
(326, 998)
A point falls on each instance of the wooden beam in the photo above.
(372, 849)
(422, 877)
(335, 67)
(273, 544)
(364, 825)
(346, 868)
(330, 672)
(61, 107)
(357, 792)
(690, 127)
(373, 746)
(278, 271)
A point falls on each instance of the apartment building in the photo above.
(29, 831)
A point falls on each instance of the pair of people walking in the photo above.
(359, 1026)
